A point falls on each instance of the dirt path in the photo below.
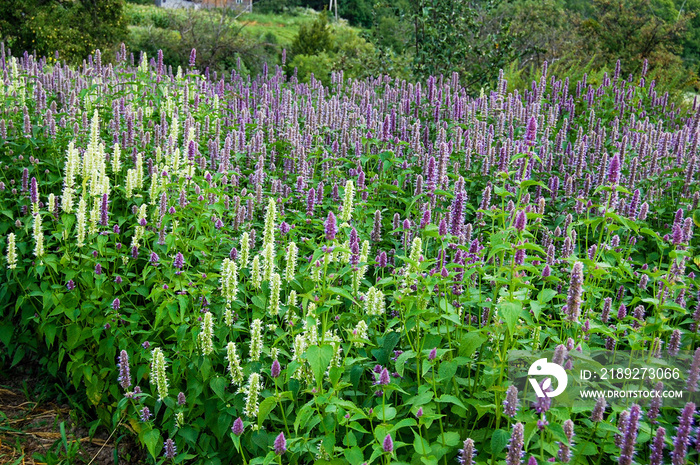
(38, 431)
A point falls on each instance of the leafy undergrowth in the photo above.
(258, 270)
(40, 424)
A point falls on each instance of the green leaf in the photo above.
(265, 408)
(342, 292)
(72, 336)
(421, 445)
(447, 370)
(470, 343)
(319, 358)
(354, 456)
(510, 311)
(153, 440)
(448, 398)
(449, 438)
(218, 385)
(545, 295)
(499, 439)
(386, 413)
(6, 331)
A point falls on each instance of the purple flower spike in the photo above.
(520, 221)
(331, 226)
(384, 378)
(154, 259)
(614, 170)
(179, 261)
(433, 354)
(442, 227)
(181, 399)
(532, 460)
(280, 444)
(33, 191)
(657, 447)
(573, 303)
(388, 445)
(276, 369)
(694, 372)
(237, 427)
(467, 453)
(170, 449)
(510, 403)
(531, 133)
(193, 57)
(515, 447)
(629, 436)
(124, 374)
(682, 439)
(598, 410)
(116, 303)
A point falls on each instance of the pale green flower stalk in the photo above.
(130, 182)
(256, 340)
(207, 334)
(360, 332)
(244, 254)
(11, 252)
(139, 170)
(72, 166)
(416, 250)
(268, 260)
(94, 216)
(228, 315)
(275, 285)
(374, 302)
(67, 199)
(292, 299)
(255, 274)
(298, 349)
(234, 364)
(229, 280)
(38, 237)
(52, 202)
(332, 338)
(140, 230)
(81, 219)
(180, 419)
(158, 376)
(116, 159)
(291, 262)
(346, 214)
(252, 392)
(270, 217)
(154, 190)
(360, 273)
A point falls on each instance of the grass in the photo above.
(284, 27)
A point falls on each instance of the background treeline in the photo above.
(402, 38)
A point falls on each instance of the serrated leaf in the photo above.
(499, 440)
(420, 445)
(265, 408)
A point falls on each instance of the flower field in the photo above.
(255, 270)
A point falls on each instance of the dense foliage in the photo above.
(261, 269)
(73, 29)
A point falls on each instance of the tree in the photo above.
(635, 30)
(461, 36)
(74, 28)
(313, 39)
